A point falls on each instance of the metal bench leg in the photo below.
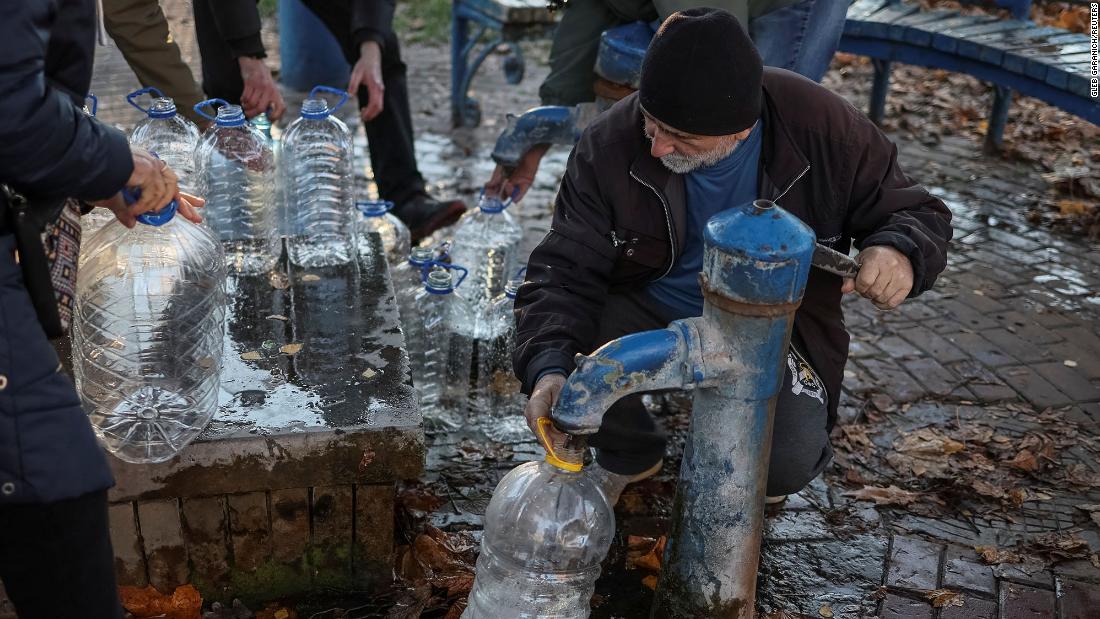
(879, 89)
(998, 116)
(459, 51)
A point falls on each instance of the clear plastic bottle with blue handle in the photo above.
(92, 221)
(317, 155)
(375, 218)
(168, 134)
(487, 241)
(148, 333)
(235, 172)
(439, 356)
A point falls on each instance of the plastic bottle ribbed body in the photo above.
(486, 241)
(499, 400)
(546, 533)
(235, 168)
(172, 137)
(317, 177)
(148, 335)
(440, 358)
(396, 239)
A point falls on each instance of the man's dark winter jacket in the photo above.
(48, 149)
(238, 22)
(821, 159)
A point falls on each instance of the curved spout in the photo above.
(646, 361)
(549, 124)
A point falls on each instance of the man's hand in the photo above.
(261, 93)
(885, 277)
(368, 72)
(543, 397)
(521, 179)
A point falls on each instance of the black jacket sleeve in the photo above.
(48, 146)
(238, 22)
(886, 207)
(559, 305)
(371, 20)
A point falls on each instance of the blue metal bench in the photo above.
(490, 24)
(1012, 54)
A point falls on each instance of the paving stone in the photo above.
(205, 531)
(966, 316)
(129, 560)
(374, 506)
(249, 530)
(892, 380)
(972, 608)
(1068, 380)
(290, 524)
(1028, 574)
(961, 570)
(1083, 337)
(1022, 602)
(981, 302)
(937, 379)
(1088, 363)
(801, 576)
(897, 607)
(935, 345)
(914, 563)
(1033, 387)
(859, 349)
(333, 514)
(982, 349)
(897, 348)
(988, 387)
(1015, 346)
(162, 536)
(1078, 600)
(791, 526)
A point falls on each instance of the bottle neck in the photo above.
(314, 109)
(162, 108)
(230, 116)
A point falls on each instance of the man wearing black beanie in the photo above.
(710, 129)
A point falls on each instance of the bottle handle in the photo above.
(208, 103)
(362, 205)
(520, 273)
(450, 267)
(95, 102)
(334, 91)
(151, 90)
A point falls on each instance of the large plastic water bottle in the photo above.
(317, 177)
(547, 529)
(487, 241)
(98, 217)
(171, 136)
(148, 334)
(377, 219)
(440, 357)
(500, 402)
(408, 280)
(235, 172)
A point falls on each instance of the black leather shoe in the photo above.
(424, 214)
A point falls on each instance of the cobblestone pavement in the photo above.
(1009, 340)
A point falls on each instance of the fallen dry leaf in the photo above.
(645, 553)
(278, 317)
(650, 582)
(1069, 363)
(278, 281)
(1093, 510)
(369, 373)
(310, 277)
(890, 495)
(825, 611)
(944, 597)
(251, 355)
(992, 555)
(145, 603)
(291, 349)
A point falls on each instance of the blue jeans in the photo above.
(801, 37)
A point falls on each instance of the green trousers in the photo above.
(140, 30)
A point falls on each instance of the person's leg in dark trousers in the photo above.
(221, 75)
(630, 442)
(390, 134)
(56, 560)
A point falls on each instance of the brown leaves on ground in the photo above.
(891, 495)
(645, 553)
(944, 597)
(992, 555)
(145, 603)
(443, 560)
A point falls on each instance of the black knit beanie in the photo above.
(702, 74)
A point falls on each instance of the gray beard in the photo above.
(683, 164)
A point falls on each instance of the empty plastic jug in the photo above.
(171, 136)
(235, 172)
(500, 402)
(98, 217)
(547, 529)
(148, 334)
(440, 357)
(377, 219)
(486, 241)
(408, 281)
(317, 183)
